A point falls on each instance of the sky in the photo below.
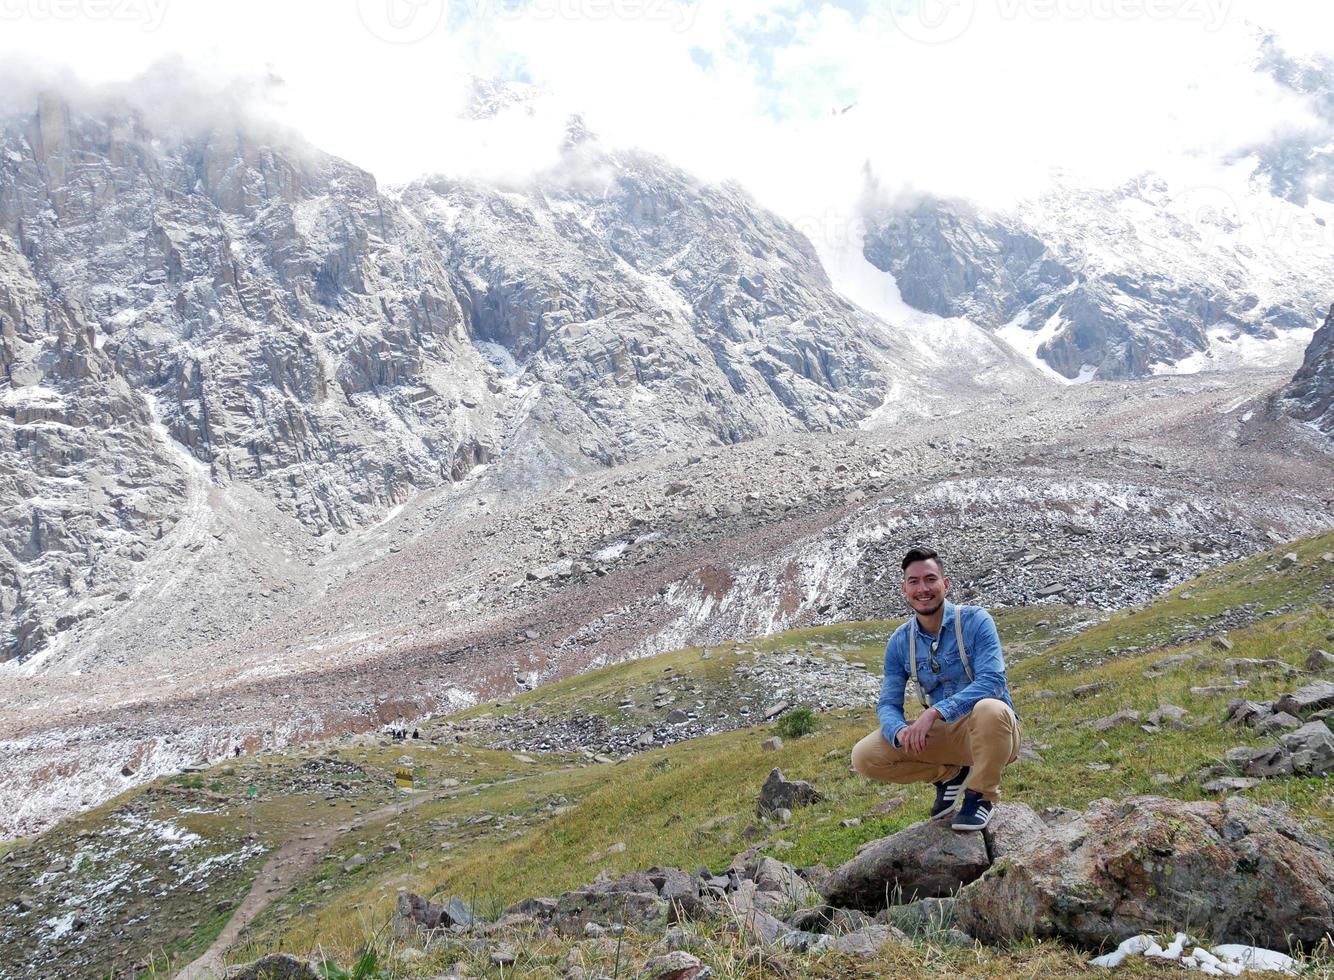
(800, 102)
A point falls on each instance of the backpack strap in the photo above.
(912, 661)
(958, 637)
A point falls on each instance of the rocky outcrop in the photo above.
(1107, 283)
(197, 319)
(1310, 396)
(928, 860)
(1231, 871)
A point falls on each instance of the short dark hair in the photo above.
(922, 554)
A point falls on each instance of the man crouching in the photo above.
(967, 732)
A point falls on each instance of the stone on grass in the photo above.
(778, 793)
(1115, 721)
(1312, 697)
(926, 860)
(1312, 748)
(1280, 722)
(1229, 784)
(772, 744)
(1244, 712)
(1320, 661)
(1237, 872)
(1261, 763)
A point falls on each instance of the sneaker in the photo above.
(947, 795)
(974, 812)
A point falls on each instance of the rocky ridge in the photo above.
(1309, 397)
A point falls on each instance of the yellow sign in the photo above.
(403, 777)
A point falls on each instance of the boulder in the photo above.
(926, 860)
(1312, 748)
(1312, 697)
(1235, 871)
(1014, 826)
(778, 793)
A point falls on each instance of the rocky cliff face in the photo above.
(1310, 397)
(1114, 283)
(1152, 275)
(223, 349)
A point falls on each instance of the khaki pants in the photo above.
(987, 739)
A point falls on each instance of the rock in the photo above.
(761, 927)
(1014, 826)
(1312, 697)
(676, 965)
(926, 860)
(779, 793)
(1278, 722)
(772, 744)
(774, 710)
(503, 955)
(1244, 712)
(1221, 642)
(774, 878)
(677, 717)
(275, 966)
(1084, 690)
(1116, 720)
(606, 852)
(1261, 763)
(1167, 715)
(865, 942)
(574, 910)
(1320, 661)
(355, 862)
(1288, 560)
(923, 917)
(1213, 690)
(1149, 864)
(1228, 784)
(1312, 748)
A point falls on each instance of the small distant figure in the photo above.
(236, 751)
(416, 733)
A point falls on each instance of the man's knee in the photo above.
(992, 714)
(869, 753)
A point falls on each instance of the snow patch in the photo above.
(1230, 350)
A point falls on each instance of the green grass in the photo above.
(513, 829)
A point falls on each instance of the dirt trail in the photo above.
(295, 859)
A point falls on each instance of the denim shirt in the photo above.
(949, 690)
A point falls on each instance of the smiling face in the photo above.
(924, 586)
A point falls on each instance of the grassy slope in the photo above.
(513, 828)
(664, 805)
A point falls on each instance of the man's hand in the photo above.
(913, 739)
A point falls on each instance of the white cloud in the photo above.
(973, 97)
